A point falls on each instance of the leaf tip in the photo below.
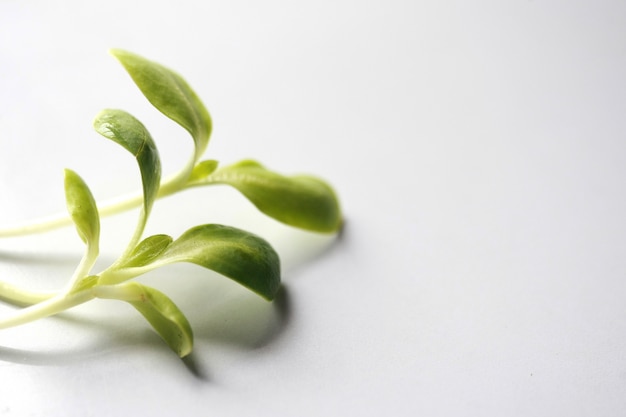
(118, 53)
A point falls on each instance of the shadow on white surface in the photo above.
(221, 313)
(100, 337)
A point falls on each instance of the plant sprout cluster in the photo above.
(301, 201)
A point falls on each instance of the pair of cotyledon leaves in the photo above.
(301, 201)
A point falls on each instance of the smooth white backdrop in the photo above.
(478, 150)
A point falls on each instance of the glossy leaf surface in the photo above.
(147, 250)
(82, 208)
(126, 130)
(300, 201)
(234, 253)
(170, 94)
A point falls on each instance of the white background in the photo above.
(479, 152)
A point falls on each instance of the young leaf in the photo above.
(123, 128)
(300, 201)
(170, 94)
(82, 208)
(202, 170)
(234, 253)
(160, 311)
(237, 254)
(147, 251)
(83, 211)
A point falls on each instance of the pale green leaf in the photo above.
(147, 251)
(82, 208)
(301, 201)
(202, 170)
(129, 132)
(170, 94)
(160, 311)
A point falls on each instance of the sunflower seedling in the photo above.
(304, 202)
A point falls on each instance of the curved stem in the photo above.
(171, 186)
(37, 226)
(83, 268)
(47, 308)
(19, 296)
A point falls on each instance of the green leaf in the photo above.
(234, 253)
(170, 94)
(82, 208)
(147, 251)
(123, 128)
(301, 201)
(237, 254)
(202, 170)
(160, 311)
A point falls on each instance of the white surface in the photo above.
(478, 149)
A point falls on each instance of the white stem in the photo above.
(84, 267)
(114, 206)
(46, 308)
(17, 295)
(122, 292)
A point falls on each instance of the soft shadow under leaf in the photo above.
(159, 310)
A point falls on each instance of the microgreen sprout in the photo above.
(301, 201)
